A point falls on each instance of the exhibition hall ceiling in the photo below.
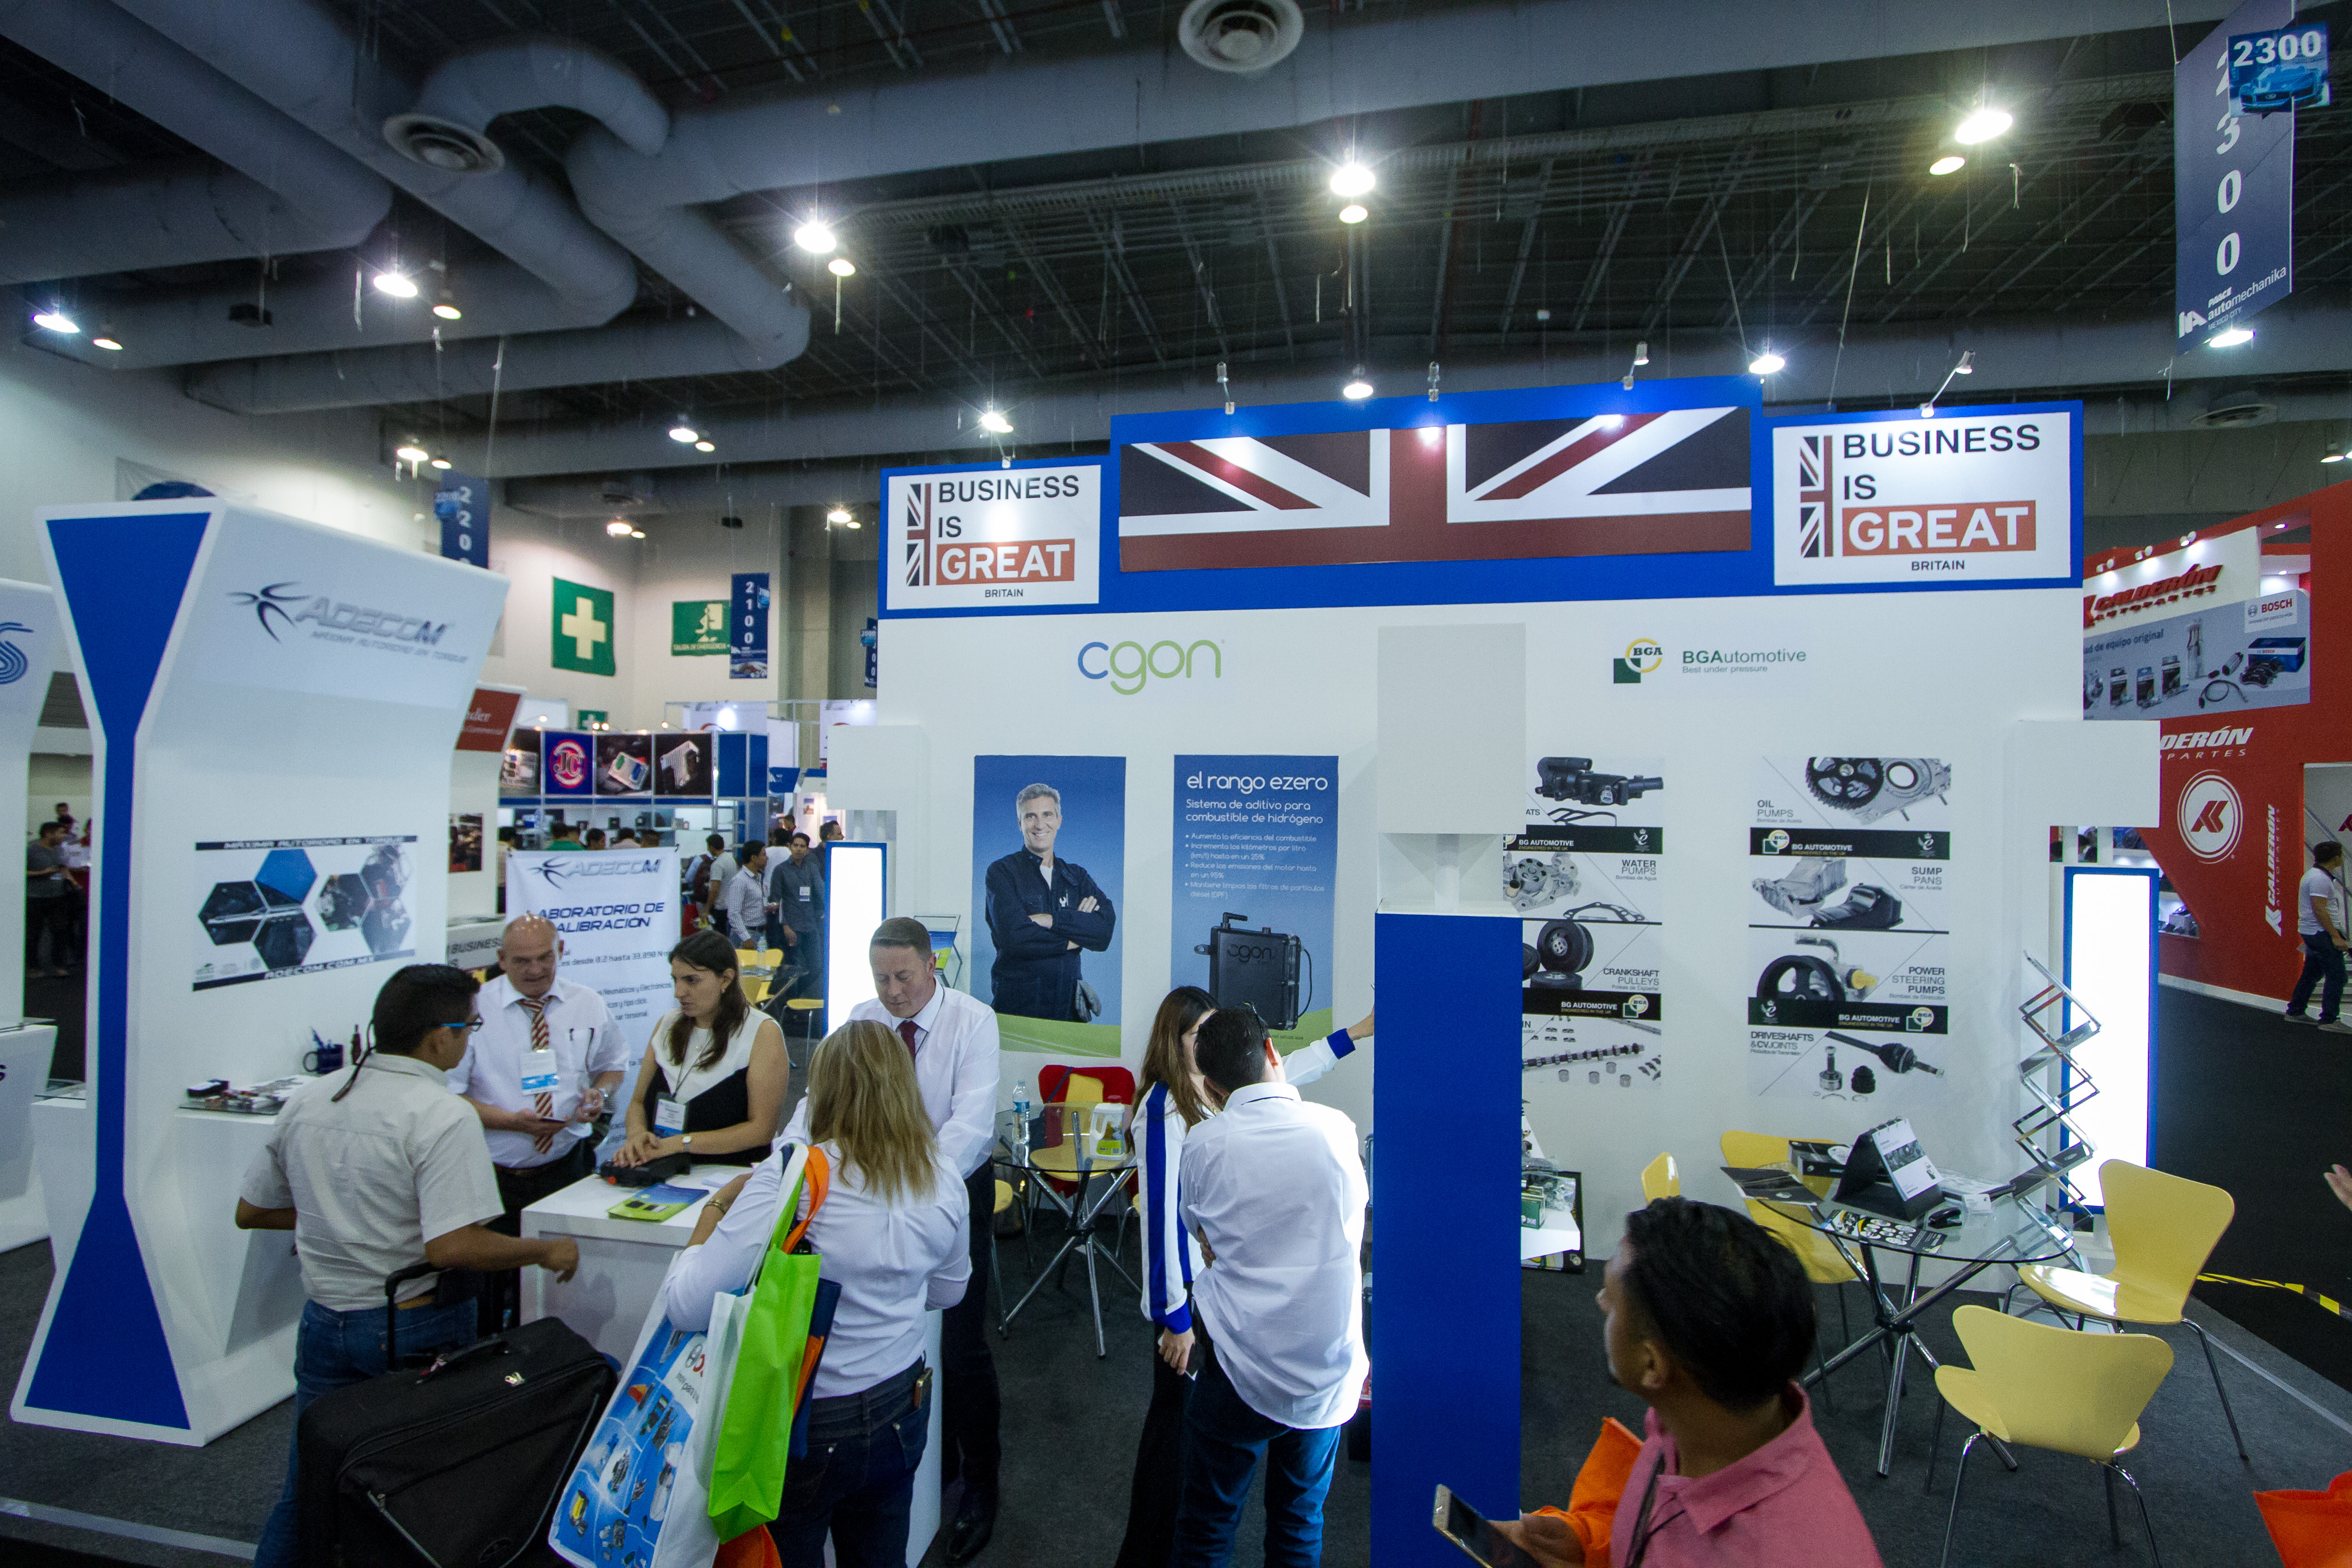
(1025, 254)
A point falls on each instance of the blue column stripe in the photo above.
(105, 1356)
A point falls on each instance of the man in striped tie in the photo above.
(539, 1072)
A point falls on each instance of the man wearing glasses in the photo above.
(375, 1172)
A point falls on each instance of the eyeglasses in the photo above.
(469, 1025)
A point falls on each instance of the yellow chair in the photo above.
(2051, 1388)
(2164, 1228)
(1824, 1264)
(1661, 1180)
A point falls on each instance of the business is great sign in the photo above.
(992, 538)
(1975, 495)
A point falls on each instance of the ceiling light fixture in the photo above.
(995, 423)
(2230, 338)
(438, 463)
(684, 433)
(106, 340)
(1351, 179)
(2331, 457)
(1641, 353)
(618, 528)
(839, 515)
(814, 236)
(842, 267)
(56, 320)
(1358, 386)
(396, 283)
(634, 533)
(410, 452)
(1949, 163)
(1353, 212)
(705, 446)
(1983, 125)
(446, 306)
(1967, 365)
(1766, 363)
(851, 523)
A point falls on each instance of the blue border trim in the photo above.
(105, 1356)
(2066, 973)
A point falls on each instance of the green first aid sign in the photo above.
(584, 628)
(698, 625)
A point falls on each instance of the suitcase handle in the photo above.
(392, 1284)
(494, 1345)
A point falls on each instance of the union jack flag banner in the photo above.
(1615, 484)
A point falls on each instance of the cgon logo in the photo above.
(277, 605)
(1129, 667)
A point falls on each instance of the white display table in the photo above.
(622, 1264)
(24, 1070)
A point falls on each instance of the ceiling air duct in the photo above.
(1240, 35)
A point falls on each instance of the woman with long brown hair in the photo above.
(712, 1083)
(1173, 1101)
(893, 1236)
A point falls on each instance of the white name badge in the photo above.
(539, 1072)
(669, 1118)
(806, 895)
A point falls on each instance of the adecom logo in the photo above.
(12, 658)
(1129, 667)
(2210, 816)
(274, 606)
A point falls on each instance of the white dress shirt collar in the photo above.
(927, 1015)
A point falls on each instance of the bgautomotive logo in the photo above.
(1642, 656)
(275, 606)
(13, 663)
(2210, 816)
(1129, 667)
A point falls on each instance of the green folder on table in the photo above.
(655, 1204)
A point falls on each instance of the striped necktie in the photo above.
(542, 1102)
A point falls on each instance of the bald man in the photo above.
(538, 1072)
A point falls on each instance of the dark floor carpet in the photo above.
(2255, 1105)
(61, 1002)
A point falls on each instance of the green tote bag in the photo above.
(773, 1365)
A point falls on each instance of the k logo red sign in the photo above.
(2210, 816)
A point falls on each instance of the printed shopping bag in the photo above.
(2310, 1528)
(634, 1497)
(773, 1363)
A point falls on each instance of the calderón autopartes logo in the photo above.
(2210, 816)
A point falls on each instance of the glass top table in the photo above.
(1976, 1235)
(1079, 1158)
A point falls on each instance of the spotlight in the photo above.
(2230, 338)
(705, 446)
(2331, 457)
(1353, 212)
(1351, 179)
(851, 523)
(1766, 363)
(410, 452)
(634, 533)
(446, 306)
(839, 515)
(1927, 411)
(56, 320)
(1641, 353)
(1983, 126)
(995, 423)
(1358, 388)
(814, 236)
(618, 528)
(396, 283)
(107, 341)
(438, 463)
(1967, 365)
(1949, 163)
(842, 267)
(684, 433)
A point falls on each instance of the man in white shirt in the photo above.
(374, 1173)
(538, 1072)
(744, 900)
(1275, 1189)
(953, 1040)
(2323, 942)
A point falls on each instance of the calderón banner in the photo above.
(617, 913)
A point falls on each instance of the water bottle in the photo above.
(1021, 1113)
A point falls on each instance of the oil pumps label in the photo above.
(1848, 868)
(1586, 874)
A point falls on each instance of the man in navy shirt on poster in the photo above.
(1042, 913)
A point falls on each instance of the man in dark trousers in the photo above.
(1042, 913)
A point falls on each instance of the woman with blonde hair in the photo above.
(893, 1236)
(1173, 1099)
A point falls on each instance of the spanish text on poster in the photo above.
(617, 913)
(278, 907)
(1250, 910)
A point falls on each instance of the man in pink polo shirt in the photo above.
(1709, 1318)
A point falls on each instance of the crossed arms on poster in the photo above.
(1043, 911)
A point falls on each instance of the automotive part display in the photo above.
(1801, 977)
(1564, 947)
(1802, 891)
(1572, 778)
(1897, 1056)
(1597, 1053)
(1533, 880)
(1864, 1081)
(1869, 788)
(1833, 1081)
(1258, 969)
(1867, 908)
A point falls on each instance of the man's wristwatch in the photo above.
(685, 1140)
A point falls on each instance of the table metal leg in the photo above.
(1093, 1290)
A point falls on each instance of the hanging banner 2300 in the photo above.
(2232, 186)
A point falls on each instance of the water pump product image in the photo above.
(1258, 969)
(1869, 788)
(1801, 977)
(1898, 1057)
(1533, 880)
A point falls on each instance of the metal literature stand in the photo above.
(2045, 1013)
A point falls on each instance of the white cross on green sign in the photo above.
(584, 628)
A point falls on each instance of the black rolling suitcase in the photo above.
(458, 1462)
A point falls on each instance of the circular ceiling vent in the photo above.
(442, 145)
(2234, 409)
(1240, 35)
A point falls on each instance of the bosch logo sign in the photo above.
(1129, 667)
(567, 764)
(2210, 816)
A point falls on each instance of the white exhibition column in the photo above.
(273, 705)
(28, 638)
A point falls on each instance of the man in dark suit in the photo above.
(1042, 913)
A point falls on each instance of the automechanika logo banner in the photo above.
(993, 538)
(1981, 494)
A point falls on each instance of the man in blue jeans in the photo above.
(1275, 1189)
(383, 1170)
(2323, 942)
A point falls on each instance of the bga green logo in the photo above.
(1635, 1006)
(1642, 657)
(1775, 841)
(1920, 1018)
(1129, 667)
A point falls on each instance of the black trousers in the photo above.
(1159, 1458)
(55, 915)
(518, 1190)
(970, 1406)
